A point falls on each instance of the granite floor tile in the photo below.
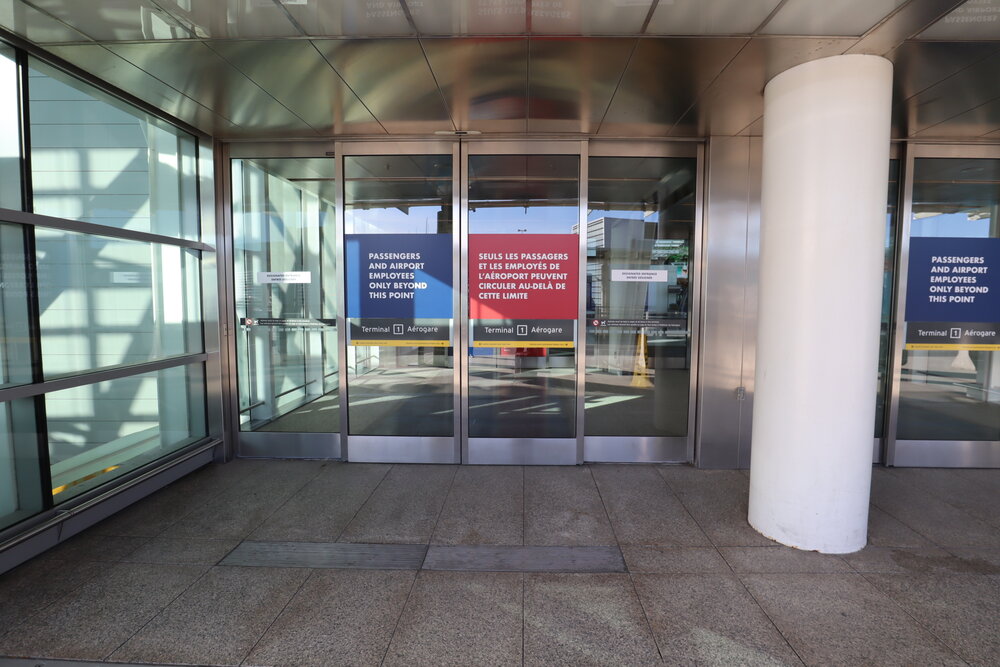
(30, 588)
(562, 507)
(643, 510)
(91, 546)
(216, 621)
(887, 531)
(773, 560)
(970, 495)
(841, 619)
(404, 508)
(585, 619)
(979, 561)
(963, 611)
(485, 506)
(675, 560)
(321, 509)
(95, 619)
(709, 619)
(460, 618)
(182, 551)
(717, 499)
(158, 511)
(943, 524)
(338, 617)
(913, 561)
(241, 509)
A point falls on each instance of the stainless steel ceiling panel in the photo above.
(709, 17)
(112, 20)
(823, 17)
(485, 81)
(754, 129)
(663, 80)
(571, 82)
(109, 67)
(736, 98)
(350, 18)
(920, 65)
(469, 17)
(979, 19)
(35, 26)
(911, 18)
(201, 74)
(393, 80)
(576, 17)
(240, 19)
(967, 89)
(294, 73)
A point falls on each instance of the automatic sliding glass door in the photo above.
(399, 252)
(523, 254)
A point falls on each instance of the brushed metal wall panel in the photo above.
(649, 102)
(571, 83)
(392, 78)
(119, 72)
(485, 82)
(723, 303)
(635, 449)
(736, 98)
(973, 86)
(294, 73)
(275, 445)
(978, 121)
(201, 74)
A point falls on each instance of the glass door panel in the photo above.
(284, 259)
(523, 269)
(399, 260)
(950, 368)
(639, 230)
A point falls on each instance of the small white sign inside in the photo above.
(283, 277)
(640, 275)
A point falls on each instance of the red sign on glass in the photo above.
(523, 276)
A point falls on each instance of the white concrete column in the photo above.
(823, 219)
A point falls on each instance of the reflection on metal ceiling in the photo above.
(272, 69)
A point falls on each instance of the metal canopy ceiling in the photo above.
(272, 69)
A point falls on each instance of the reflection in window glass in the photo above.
(99, 160)
(402, 388)
(887, 279)
(20, 474)
(101, 431)
(284, 238)
(107, 302)
(639, 234)
(526, 203)
(15, 345)
(953, 393)
(10, 134)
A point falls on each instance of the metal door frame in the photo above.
(927, 453)
(446, 449)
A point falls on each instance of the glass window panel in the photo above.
(107, 302)
(639, 233)
(15, 341)
(284, 235)
(399, 204)
(953, 393)
(20, 471)
(101, 431)
(97, 159)
(526, 204)
(10, 132)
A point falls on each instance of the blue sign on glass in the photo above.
(953, 280)
(404, 276)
